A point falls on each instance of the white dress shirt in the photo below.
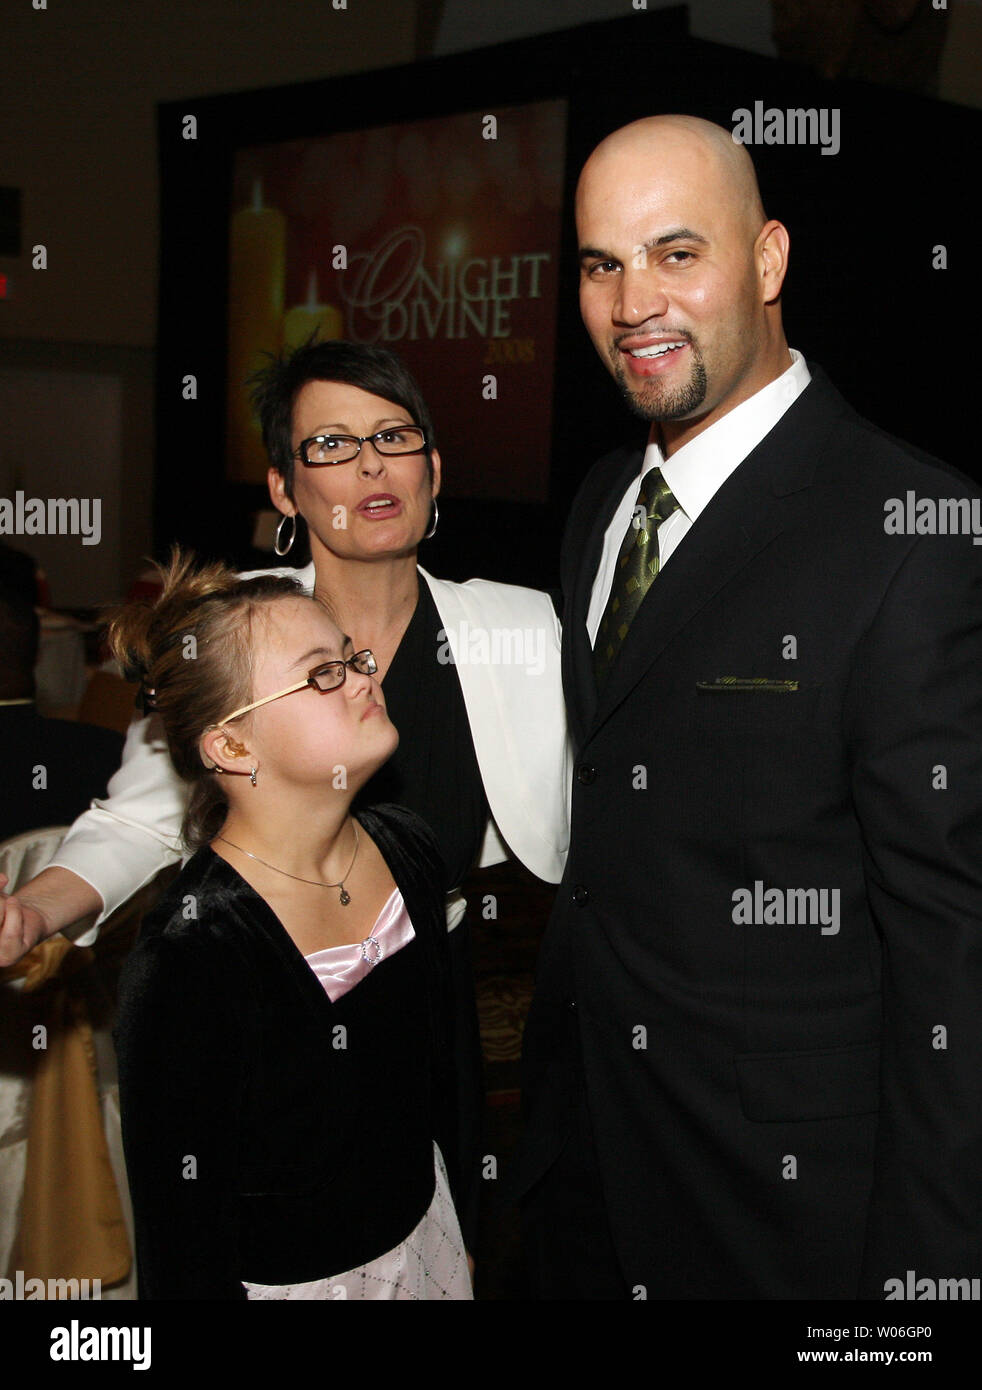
(695, 473)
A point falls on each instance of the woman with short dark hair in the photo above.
(471, 672)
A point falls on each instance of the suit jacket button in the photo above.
(586, 773)
(580, 895)
(571, 1005)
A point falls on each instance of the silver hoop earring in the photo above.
(285, 549)
(252, 776)
(436, 518)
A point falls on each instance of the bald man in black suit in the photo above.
(753, 1062)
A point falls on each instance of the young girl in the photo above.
(286, 1031)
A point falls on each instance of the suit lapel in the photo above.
(596, 504)
(746, 514)
(711, 555)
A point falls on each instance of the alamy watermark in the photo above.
(79, 1343)
(795, 126)
(911, 515)
(496, 646)
(21, 1288)
(932, 1290)
(780, 907)
(52, 516)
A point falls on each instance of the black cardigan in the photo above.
(271, 1135)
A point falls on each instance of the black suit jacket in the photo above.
(777, 1114)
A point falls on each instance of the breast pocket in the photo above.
(754, 704)
(763, 741)
(813, 1085)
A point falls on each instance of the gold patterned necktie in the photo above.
(637, 566)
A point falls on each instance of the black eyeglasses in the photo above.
(330, 676)
(323, 449)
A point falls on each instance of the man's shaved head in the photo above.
(680, 271)
(654, 137)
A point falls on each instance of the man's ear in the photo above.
(773, 249)
(220, 750)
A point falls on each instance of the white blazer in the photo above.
(505, 643)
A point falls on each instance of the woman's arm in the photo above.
(181, 1083)
(517, 716)
(109, 853)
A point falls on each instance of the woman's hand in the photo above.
(54, 899)
(22, 925)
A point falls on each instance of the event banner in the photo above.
(438, 239)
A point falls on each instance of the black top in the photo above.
(52, 768)
(271, 1135)
(434, 770)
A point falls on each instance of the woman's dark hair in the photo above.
(373, 369)
(191, 651)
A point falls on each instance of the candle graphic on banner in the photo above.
(257, 254)
(301, 321)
